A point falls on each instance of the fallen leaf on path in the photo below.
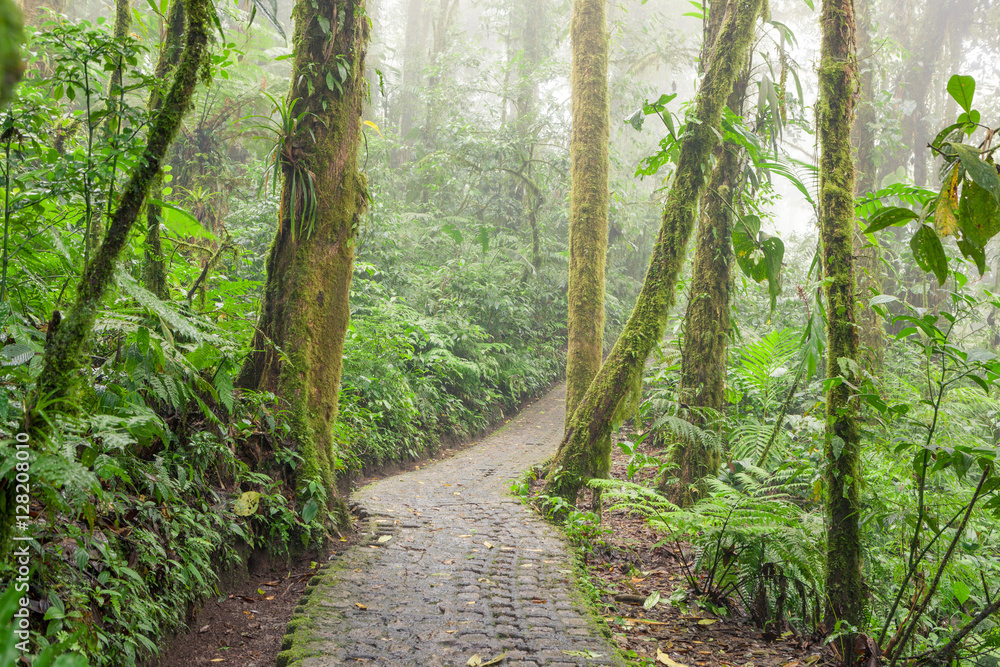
(707, 621)
(384, 539)
(360, 606)
(488, 545)
(665, 659)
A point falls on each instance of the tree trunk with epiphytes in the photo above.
(585, 448)
(154, 268)
(67, 336)
(298, 348)
(842, 449)
(706, 323)
(588, 207)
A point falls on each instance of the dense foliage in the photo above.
(163, 473)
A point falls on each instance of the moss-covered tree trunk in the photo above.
(837, 82)
(706, 323)
(54, 393)
(585, 449)
(299, 343)
(154, 268)
(65, 345)
(869, 268)
(588, 201)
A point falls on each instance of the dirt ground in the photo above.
(627, 569)
(245, 625)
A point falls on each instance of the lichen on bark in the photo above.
(835, 109)
(298, 348)
(588, 214)
(583, 453)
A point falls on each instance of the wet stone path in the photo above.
(454, 568)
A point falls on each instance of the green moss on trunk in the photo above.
(837, 83)
(299, 343)
(63, 351)
(583, 453)
(869, 271)
(154, 269)
(706, 323)
(588, 212)
(54, 393)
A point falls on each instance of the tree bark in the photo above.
(706, 323)
(869, 272)
(585, 448)
(297, 351)
(837, 82)
(35, 10)
(154, 270)
(414, 60)
(588, 208)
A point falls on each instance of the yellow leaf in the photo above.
(474, 661)
(488, 545)
(374, 127)
(707, 621)
(947, 202)
(360, 606)
(665, 659)
(384, 539)
(246, 504)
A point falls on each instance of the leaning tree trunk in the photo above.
(55, 393)
(837, 81)
(154, 269)
(588, 207)
(585, 448)
(706, 323)
(299, 344)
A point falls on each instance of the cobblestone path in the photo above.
(454, 568)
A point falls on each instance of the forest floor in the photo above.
(625, 568)
(478, 572)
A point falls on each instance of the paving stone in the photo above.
(468, 569)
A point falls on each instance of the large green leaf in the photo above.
(929, 252)
(888, 217)
(983, 173)
(759, 260)
(962, 88)
(978, 214)
(269, 8)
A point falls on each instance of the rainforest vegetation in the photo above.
(254, 248)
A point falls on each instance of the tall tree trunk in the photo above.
(585, 448)
(588, 208)
(837, 81)
(920, 72)
(35, 10)
(444, 18)
(297, 351)
(55, 393)
(869, 269)
(414, 60)
(154, 270)
(706, 323)
(531, 24)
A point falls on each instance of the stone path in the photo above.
(455, 567)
